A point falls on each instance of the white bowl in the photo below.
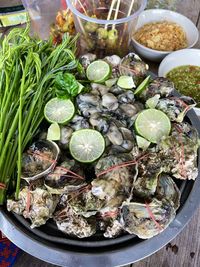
(155, 15)
(180, 58)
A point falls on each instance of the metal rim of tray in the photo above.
(113, 255)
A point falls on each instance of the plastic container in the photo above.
(43, 14)
(105, 27)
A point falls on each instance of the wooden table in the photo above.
(184, 250)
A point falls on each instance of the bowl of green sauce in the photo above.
(183, 69)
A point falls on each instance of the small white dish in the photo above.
(180, 58)
(155, 15)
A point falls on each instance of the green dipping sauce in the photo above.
(186, 80)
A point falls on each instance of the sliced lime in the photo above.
(59, 110)
(86, 145)
(53, 133)
(98, 71)
(142, 86)
(152, 124)
(126, 82)
(111, 82)
(142, 142)
(152, 102)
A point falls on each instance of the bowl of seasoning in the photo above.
(159, 32)
(183, 69)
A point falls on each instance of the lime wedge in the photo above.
(126, 82)
(59, 110)
(111, 82)
(98, 71)
(86, 145)
(53, 133)
(142, 86)
(142, 143)
(80, 88)
(152, 102)
(152, 124)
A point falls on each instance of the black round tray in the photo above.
(49, 244)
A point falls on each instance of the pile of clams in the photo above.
(127, 190)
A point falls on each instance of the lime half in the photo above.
(126, 82)
(98, 71)
(86, 145)
(53, 133)
(152, 124)
(59, 110)
(142, 86)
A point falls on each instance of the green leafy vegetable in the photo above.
(66, 85)
(28, 69)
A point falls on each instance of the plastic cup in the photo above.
(43, 14)
(105, 26)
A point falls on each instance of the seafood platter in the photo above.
(98, 156)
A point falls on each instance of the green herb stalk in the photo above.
(28, 69)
